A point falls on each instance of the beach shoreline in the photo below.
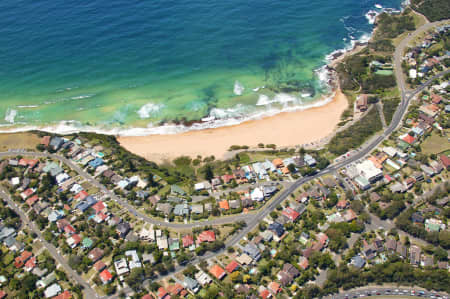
(286, 129)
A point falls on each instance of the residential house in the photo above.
(217, 271)
(414, 255)
(253, 251)
(106, 276)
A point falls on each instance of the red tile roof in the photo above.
(32, 200)
(98, 207)
(265, 294)
(409, 139)
(217, 271)
(76, 238)
(445, 160)
(22, 258)
(342, 204)
(99, 266)
(188, 240)
(30, 264)
(26, 193)
(175, 289)
(231, 267)
(274, 287)
(224, 205)
(68, 229)
(277, 162)
(206, 236)
(106, 276)
(436, 99)
(45, 140)
(304, 264)
(81, 195)
(291, 213)
(227, 178)
(64, 295)
(2, 294)
(162, 293)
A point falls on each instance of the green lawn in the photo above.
(436, 144)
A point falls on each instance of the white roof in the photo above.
(368, 170)
(76, 188)
(52, 290)
(412, 73)
(15, 181)
(121, 266)
(257, 194)
(62, 177)
(135, 262)
(390, 151)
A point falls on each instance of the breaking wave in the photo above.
(10, 115)
(149, 109)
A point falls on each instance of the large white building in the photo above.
(368, 171)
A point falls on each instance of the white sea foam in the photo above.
(228, 117)
(220, 113)
(238, 88)
(263, 100)
(371, 16)
(83, 96)
(27, 106)
(284, 98)
(305, 95)
(10, 115)
(149, 109)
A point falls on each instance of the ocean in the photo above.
(140, 67)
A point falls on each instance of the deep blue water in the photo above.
(101, 61)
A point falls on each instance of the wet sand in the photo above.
(284, 129)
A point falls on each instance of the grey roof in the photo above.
(197, 209)
(177, 190)
(252, 251)
(190, 283)
(6, 232)
(166, 208)
(123, 228)
(56, 142)
(358, 261)
(181, 209)
(234, 204)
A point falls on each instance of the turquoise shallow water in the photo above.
(127, 64)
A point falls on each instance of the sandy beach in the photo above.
(284, 129)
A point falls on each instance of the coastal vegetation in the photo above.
(389, 107)
(434, 10)
(356, 134)
(391, 26)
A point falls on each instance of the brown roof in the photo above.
(95, 254)
(99, 266)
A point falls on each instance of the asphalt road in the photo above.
(383, 292)
(87, 291)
